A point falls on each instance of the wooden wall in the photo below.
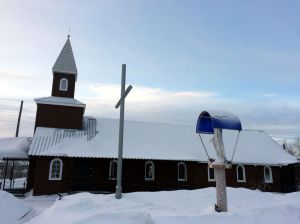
(133, 177)
(297, 177)
(42, 184)
(31, 173)
(54, 116)
(56, 82)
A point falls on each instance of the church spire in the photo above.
(65, 63)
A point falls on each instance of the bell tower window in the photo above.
(63, 84)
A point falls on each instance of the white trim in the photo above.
(271, 174)
(110, 169)
(237, 174)
(153, 171)
(184, 171)
(60, 84)
(50, 169)
(61, 104)
(64, 72)
(61, 101)
(208, 176)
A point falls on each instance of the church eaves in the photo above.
(65, 63)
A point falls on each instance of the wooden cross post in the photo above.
(121, 104)
(219, 170)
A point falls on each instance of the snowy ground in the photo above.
(197, 206)
(11, 208)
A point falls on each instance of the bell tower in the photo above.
(61, 110)
(64, 73)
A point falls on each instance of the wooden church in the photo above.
(71, 152)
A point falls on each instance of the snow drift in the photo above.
(196, 206)
(11, 208)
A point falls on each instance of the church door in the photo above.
(83, 178)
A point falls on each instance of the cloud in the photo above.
(269, 95)
(161, 105)
(9, 111)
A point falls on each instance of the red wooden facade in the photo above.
(82, 174)
(56, 116)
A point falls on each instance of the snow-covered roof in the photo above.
(62, 101)
(155, 141)
(14, 147)
(65, 63)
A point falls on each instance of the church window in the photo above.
(63, 84)
(113, 169)
(240, 173)
(55, 171)
(211, 174)
(182, 172)
(149, 170)
(268, 174)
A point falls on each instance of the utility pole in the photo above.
(121, 103)
(19, 119)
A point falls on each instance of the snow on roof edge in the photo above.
(173, 142)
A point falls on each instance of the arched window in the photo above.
(63, 84)
(55, 170)
(240, 173)
(113, 169)
(149, 170)
(182, 173)
(211, 174)
(268, 174)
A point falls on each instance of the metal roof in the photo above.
(46, 138)
(15, 147)
(155, 141)
(62, 101)
(65, 63)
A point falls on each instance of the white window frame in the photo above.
(271, 174)
(50, 169)
(237, 174)
(110, 169)
(208, 176)
(153, 171)
(185, 172)
(60, 84)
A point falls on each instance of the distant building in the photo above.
(70, 152)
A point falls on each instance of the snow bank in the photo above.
(11, 208)
(175, 207)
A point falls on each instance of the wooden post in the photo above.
(19, 118)
(221, 189)
(5, 173)
(219, 168)
(12, 173)
(121, 131)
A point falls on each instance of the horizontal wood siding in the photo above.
(31, 173)
(54, 116)
(56, 82)
(165, 177)
(297, 177)
(42, 184)
(254, 178)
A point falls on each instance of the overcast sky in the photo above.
(182, 57)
